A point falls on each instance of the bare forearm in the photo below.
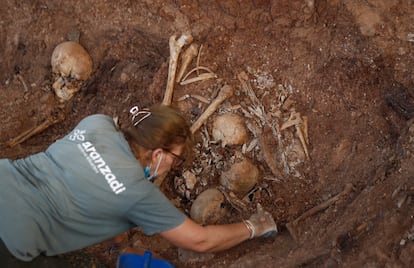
(210, 238)
(221, 237)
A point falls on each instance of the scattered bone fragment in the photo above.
(230, 129)
(225, 93)
(301, 127)
(268, 148)
(188, 55)
(295, 156)
(252, 145)
(294, 119)
(190, 179)
(195, 96)
(293, 226)
(287, 103)
(26, 89)
(208, 207)
(179, 185)
(259, 188)
(257, 109)
(241, 177)
(235, 202)
(72, 64)
(176, 46)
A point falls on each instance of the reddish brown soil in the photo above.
(337, 62)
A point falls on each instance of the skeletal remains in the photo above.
(301, 126)
(241, 177)
(71, 65)
(224, 93)
(229, 128)
(293, 226)
(176, 45)
(189, 54)
(208, 207)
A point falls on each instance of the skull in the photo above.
(229, 128)
(208, 207)
(71, 64)
(242, 176)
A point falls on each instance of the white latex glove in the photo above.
(261, 224)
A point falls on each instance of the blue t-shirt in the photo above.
(85, 188)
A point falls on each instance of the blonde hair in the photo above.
(164, 128)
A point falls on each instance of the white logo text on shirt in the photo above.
(98, 164)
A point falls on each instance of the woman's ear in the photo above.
(156, 154)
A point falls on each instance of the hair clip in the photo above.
(136, 112)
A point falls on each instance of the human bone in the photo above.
(187, 57)
(301, 126)
(242, 176)
(190, 179)
(208, 74)
(225, 92)
(72, 64)
(230, 129)
(176, 46)
(208, 207)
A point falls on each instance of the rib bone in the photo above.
(225, 93)
(175, 49)
(200, 77)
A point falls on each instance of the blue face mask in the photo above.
(147, 170)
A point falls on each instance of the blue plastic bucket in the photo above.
(130, 260)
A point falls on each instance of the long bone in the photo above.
(175, 48)
(35, 130)
(225, 93)
(188, 55)
(292, 226)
